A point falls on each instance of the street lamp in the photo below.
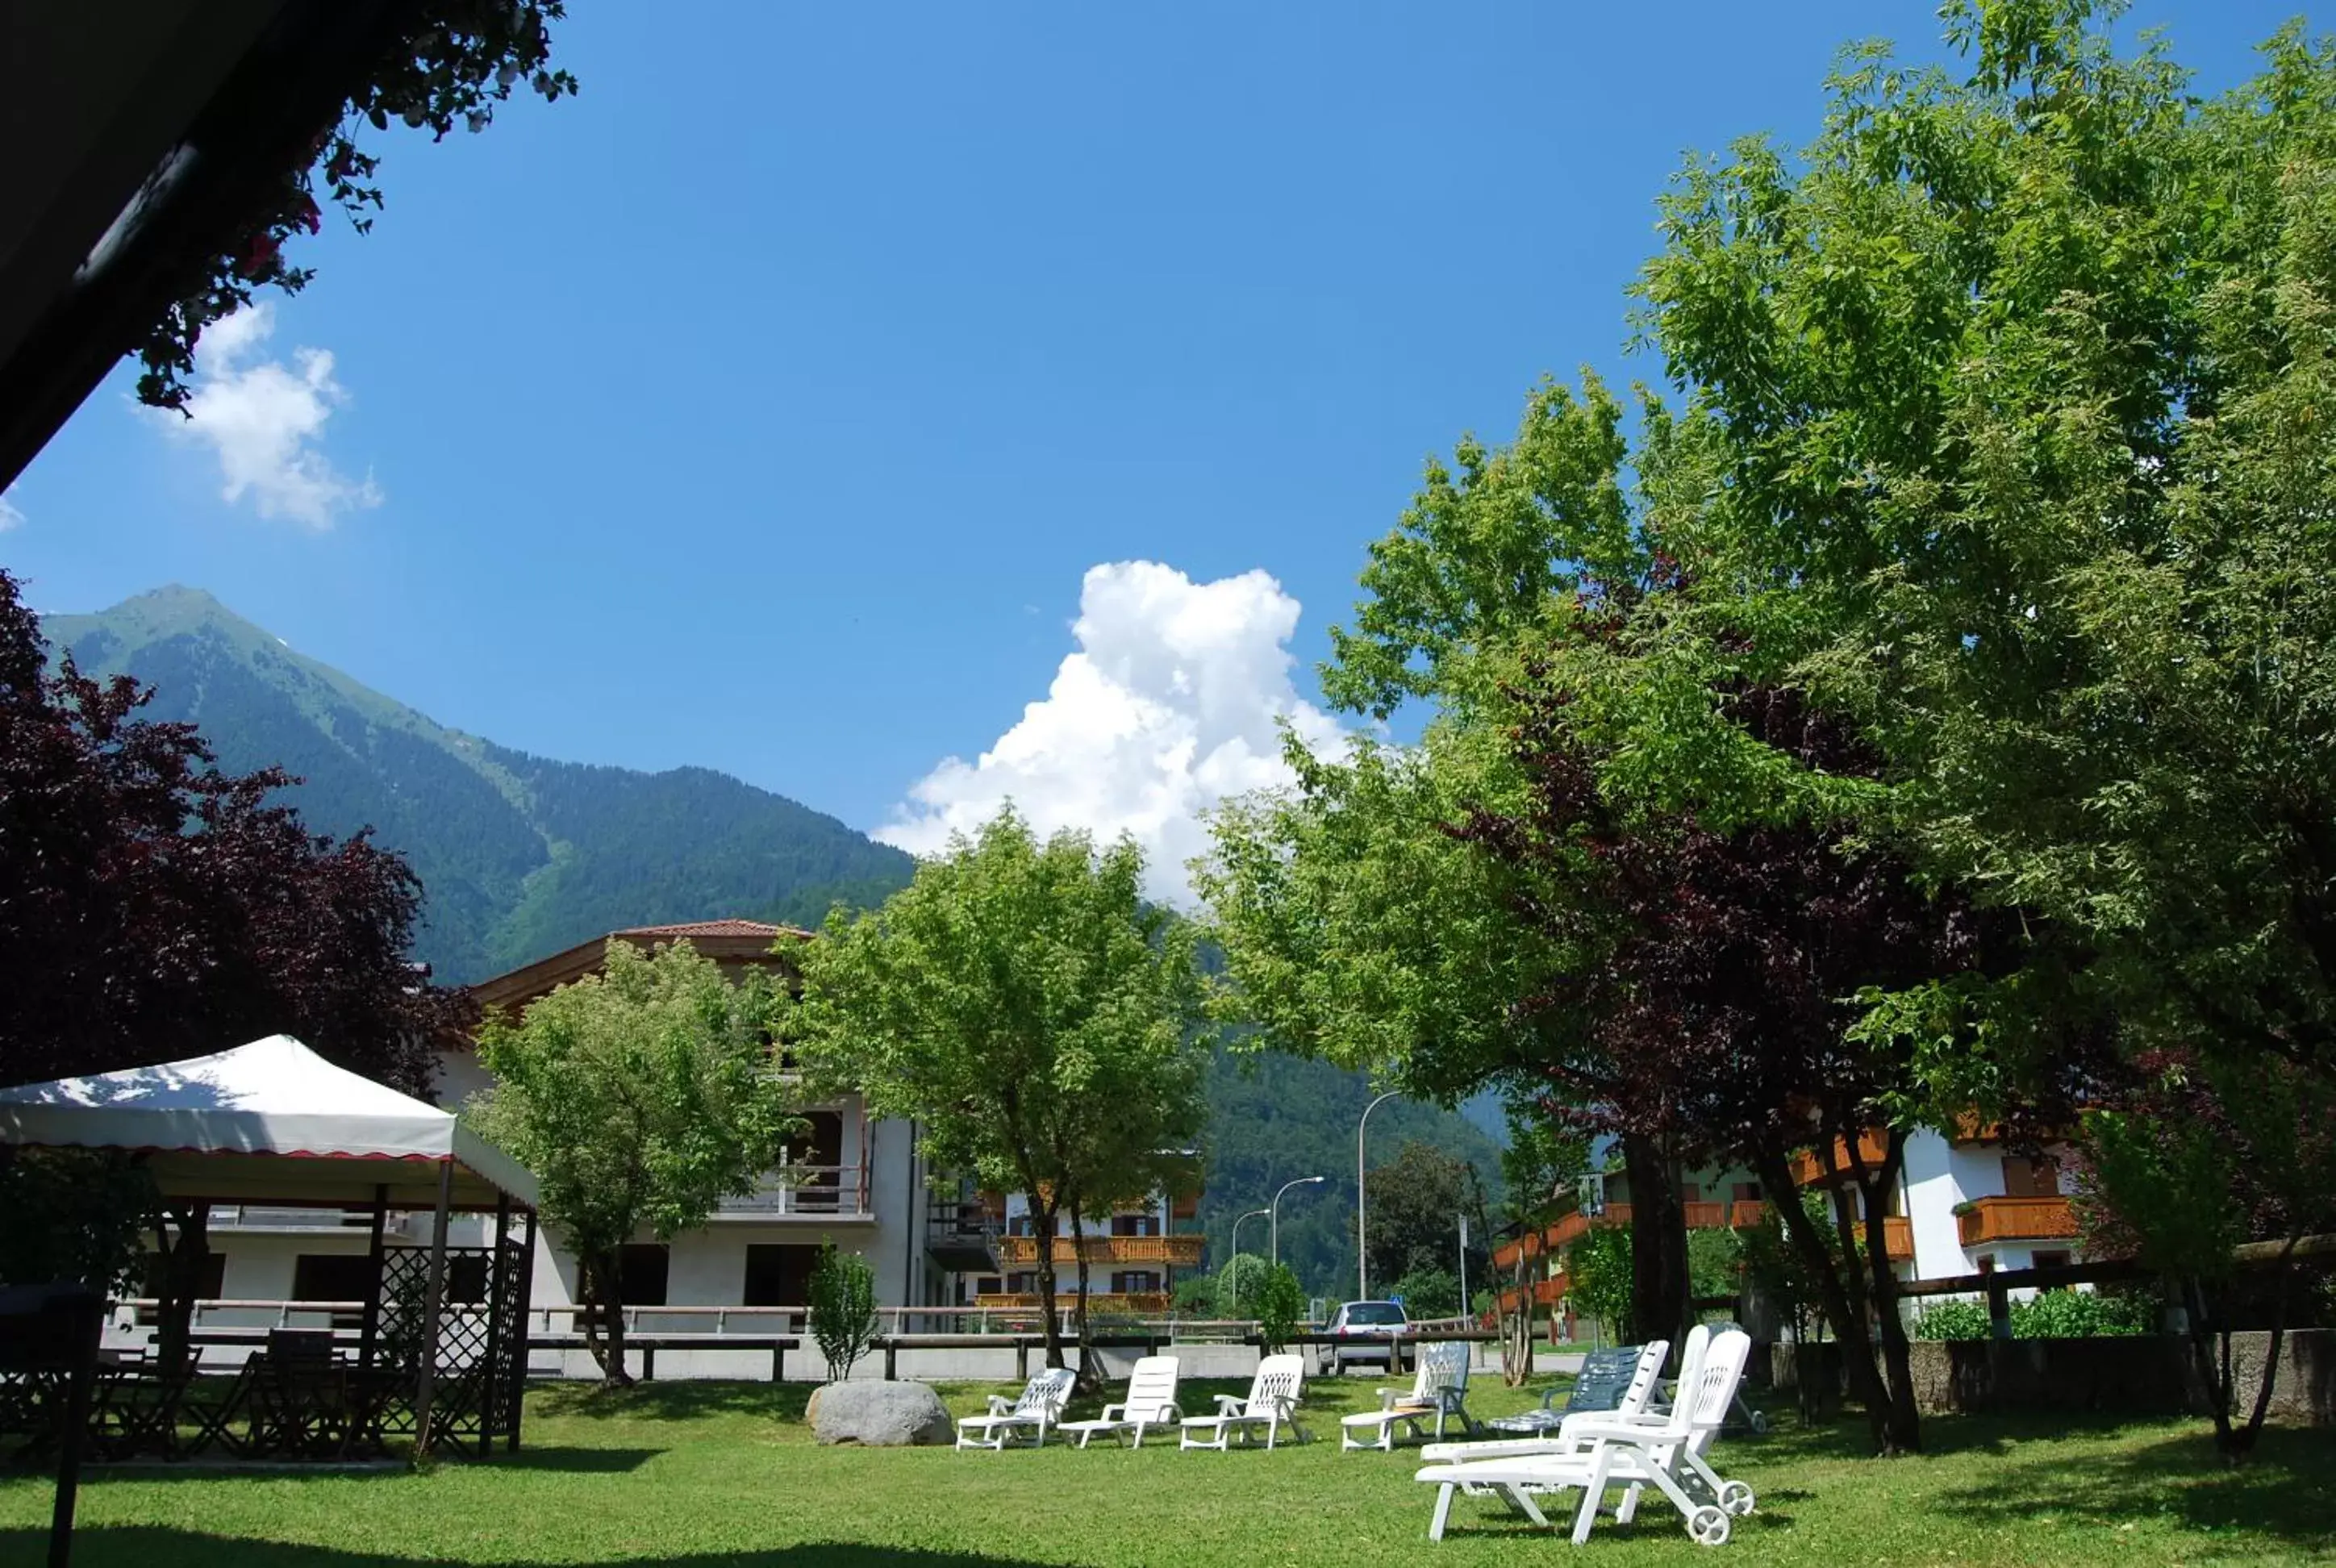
(1274, 1221)
(1253, 1214)
(1362, 1242)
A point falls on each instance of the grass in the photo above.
(726, 1475)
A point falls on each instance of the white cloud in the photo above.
(264, 419)
(10, 516)
(1168, 705)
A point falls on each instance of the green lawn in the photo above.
(704, 1476)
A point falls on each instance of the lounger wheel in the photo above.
(1735, 1498)
(1759, 1420)
(1708, 1526)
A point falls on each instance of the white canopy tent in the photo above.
(273, 1122)
(320, 1135)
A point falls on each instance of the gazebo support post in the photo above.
(518, 1356)
(369, 1334)
(433, 1307)
(490, 1393)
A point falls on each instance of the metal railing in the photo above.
(823, 1192)
(256, 1216)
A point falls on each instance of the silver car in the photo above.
(1365, 1318)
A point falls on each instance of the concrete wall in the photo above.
(2135, 1374)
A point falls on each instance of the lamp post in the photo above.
(1274, 1221)
(1253, 1214)
(1362, 1241)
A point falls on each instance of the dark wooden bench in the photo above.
(648, 1345)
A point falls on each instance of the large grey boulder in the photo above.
(880, 1415)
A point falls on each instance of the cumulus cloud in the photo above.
(263, 419)
(10, 517)
(1168, 705)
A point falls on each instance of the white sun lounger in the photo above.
(1438, 1391)
(1271, 1403)
(1151, 1402)
(1646, 1378)
(1040, 1406)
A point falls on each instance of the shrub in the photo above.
(1195, 1296)
(843, 1307)
(1597, 1272)
(1429, 1294)
(1952, 1319)
(1279, 1306)
(2068, 1314)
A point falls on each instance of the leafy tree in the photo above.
(1280, 1307)
(639, 1097)
(2197, 1159)
(1540, 1170)
(1240, 1283)
(1714, 1264)
(154, 907)
(1598, 1276)
(842, 1309)
(448, 62)
(1035, 1016)
(1428, 1291)
(1416, 1202)
(1196, 1296)
(76, 1215)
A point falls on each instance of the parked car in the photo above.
(1365, 1318)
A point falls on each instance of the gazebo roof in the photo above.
(269, 1121)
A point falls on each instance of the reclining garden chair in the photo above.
(1271, 1403)
(1040, 1406)
(1630, 1400)
(1438, 1392)
(1665, 1452)
(1151, 1402)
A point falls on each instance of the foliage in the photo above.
(1715, 1263)
(1417, 1201)
(1952, 1319)
(154, 907)
(1278, 1306)
(1031, 1011)
(1196, 1296)
(1428, 1291)
(2199, 1157)
(2071, 1314)
(1597, 1277)
(522, 856)
(843, 1307)
(1238, 1282)
(1778, 1271)
(74, 1214)
(450, 62)
(639, 1097)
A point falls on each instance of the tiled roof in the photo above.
(722, 928)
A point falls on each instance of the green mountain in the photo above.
(520, 856)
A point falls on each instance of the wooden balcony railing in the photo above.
(2007, 1219)
(1738, 1214)
(1182, 1252)
(1100, 1301)
(1872, 1145)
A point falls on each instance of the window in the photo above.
(1134, 1283)
(779, 1276)
(340, 1276)
(642, 1268)
(1691, 1193)
(2048, 1260)
(1987, 1262)
(1019, 1225)
(2031, 1178)
(1746, 1192)
(1136, 1224)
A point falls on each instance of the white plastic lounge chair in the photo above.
(1271, 1403)
(1633, 1403)
(1604, 1382)
(1665, 1453)
(1151, 1402)
(1438, 1392)
(1040, 1406)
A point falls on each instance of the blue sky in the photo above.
(767, 406)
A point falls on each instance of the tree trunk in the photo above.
(1516, 1327)
(1079, 1261)
(1845, 1311)
(604, 1328)
(182, 1273)
(1043, 1220)
(1903, 1427)
(1660, 1306)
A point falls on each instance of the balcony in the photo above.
(1133, 1302)
(256, 1217)
(2007, 1219)
(832, 1194)
(1180, 1252)
(1872, 1148)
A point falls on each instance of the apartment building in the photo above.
(1132, 1256)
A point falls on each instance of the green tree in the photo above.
(639, 1097)
(1034, 1014)
(1280, 1307)
(1428, 1291)
(843, 1307)
(1598, 1276)
(1239, 1283)
(1416, 1201)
